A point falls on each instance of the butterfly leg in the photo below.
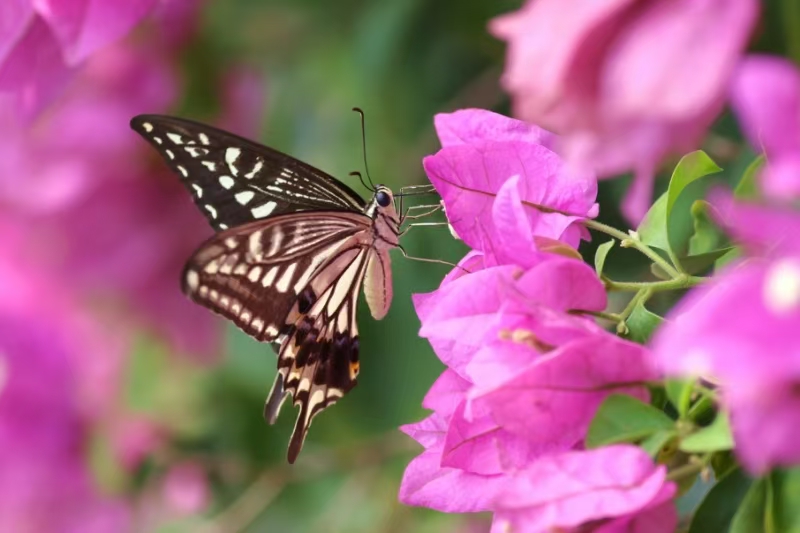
(418, 224)
(275, 399)
(432, 208)
(428, 260)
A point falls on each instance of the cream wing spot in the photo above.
(244, 197)
(169, 153)
(204, 138)
(256, 169)
(183, 171)
(254, 274)
(210, 165)
(192, 279)
(270, 276)
(175, 138)
(198, 190)
(147, 127)
(211, 210)
(264, 209)
(231, 155)
(286, 278)
(226, 181)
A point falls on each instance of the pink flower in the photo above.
(84, 140)
(44, 343)
(509, 342)
(625, 82)
(488, 172)
(186, 488)
(464, 313)
(41, 41)
(740, 329)
(615, 489)
(766, 96)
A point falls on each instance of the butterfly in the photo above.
(293, 246)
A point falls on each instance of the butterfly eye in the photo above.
(383, 198)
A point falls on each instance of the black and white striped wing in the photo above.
(294, 280)
(235, 181)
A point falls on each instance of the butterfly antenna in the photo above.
(361, 179)
(364, 145)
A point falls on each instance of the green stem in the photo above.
(629, 241)
(685, 471)
(681, 281)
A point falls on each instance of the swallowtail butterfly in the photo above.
(293, 246)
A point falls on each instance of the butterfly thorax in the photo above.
(386, 223)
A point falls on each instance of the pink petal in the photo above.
(563, 284)
(765, 93)
(564, 388)
(477, 127)
(84, 26)
(450, 490)
(469, 178)
(675, 59)
(457, 317)
(575, 488)
(734, 328)
(430, 432)
(766, 424)
(763, 230)
(446, 393)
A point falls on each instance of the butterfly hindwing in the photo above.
(319, 361)
(256, 275)
(235, 181)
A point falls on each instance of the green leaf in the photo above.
(786, 500)
(657, 441)
(654, 229)
(706, 236)
(698, 264)
(600, 256)
(728, 257)
(622, 418)
(700, 408)
(747, 188)
(679, 393)
(751, 517)
(723, 463)
(712, 438)
(718, 508)
(642, 323)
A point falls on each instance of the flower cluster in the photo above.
(94, 237)
(527, 365)
(740, 329)
(626, 82)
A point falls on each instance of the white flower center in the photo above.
(782, 286)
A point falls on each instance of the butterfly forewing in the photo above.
(235, 181)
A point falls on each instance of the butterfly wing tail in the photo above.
(275, 399)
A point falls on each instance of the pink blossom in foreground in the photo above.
(766, 97)
(624, 82)
(489, 165)
(48, 398)
(739, 330)
(84, 140)
(615, 489)
(42, 41)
